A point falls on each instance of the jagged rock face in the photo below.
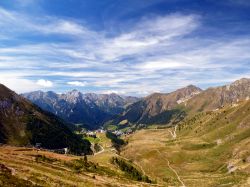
(110, 103)
(157, 107)
(89, 109)
(214, 98)
(22, 123)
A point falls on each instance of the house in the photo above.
(118, 133)
(91, 134)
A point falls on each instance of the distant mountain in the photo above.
(22, 123)
(161, 108)
(91, 110)
(214, 98)
(157, 108)
(94, 110)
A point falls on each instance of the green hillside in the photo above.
(211, 148)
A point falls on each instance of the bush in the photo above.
(42, 158)
(130, 170)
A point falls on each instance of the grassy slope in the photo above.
(205, 145)
(56, 170)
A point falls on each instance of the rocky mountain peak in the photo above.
(73, 96)
(243, 81)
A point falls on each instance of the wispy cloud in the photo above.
(77, 83)
(156, 53)
(18, 23)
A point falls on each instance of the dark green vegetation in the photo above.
(24, 124)
(130, 170)
(83, 165)
(116, 141)
(43, 158)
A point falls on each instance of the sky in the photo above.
(132, 47)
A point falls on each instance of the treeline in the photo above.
(130, 170)
(55, 134)
(116, 141)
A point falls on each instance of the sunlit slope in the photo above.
(24, 167)
(210, 149)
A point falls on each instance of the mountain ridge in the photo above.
(23, 123)
(159, 108)
(89, 109)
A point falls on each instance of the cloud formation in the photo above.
(156, 53)
(77, 83)
(44, 83)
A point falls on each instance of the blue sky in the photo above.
(132, 47)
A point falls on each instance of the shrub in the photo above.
(130, 170)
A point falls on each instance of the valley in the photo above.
(208, 146)
(124, 93)
(199, 154)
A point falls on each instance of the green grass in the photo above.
(92, 140)
(206, 143)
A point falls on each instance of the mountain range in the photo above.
(23, 123)
(95, 110)
(171, 108)
(210, 136)
(90, 110)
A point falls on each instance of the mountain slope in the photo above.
(209, 149)
(22, 123)
(214, 98)
(165, 108)
(158, 108)
(90, 109)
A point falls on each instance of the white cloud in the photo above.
(44, 83)
(114, 92)
(154, 54)
(19, 85)
(160, 65)
(77, 83)
(47, 25)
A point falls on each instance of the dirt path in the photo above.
(173, 134)
(137, 164)
(178, 177)
(99, 151)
